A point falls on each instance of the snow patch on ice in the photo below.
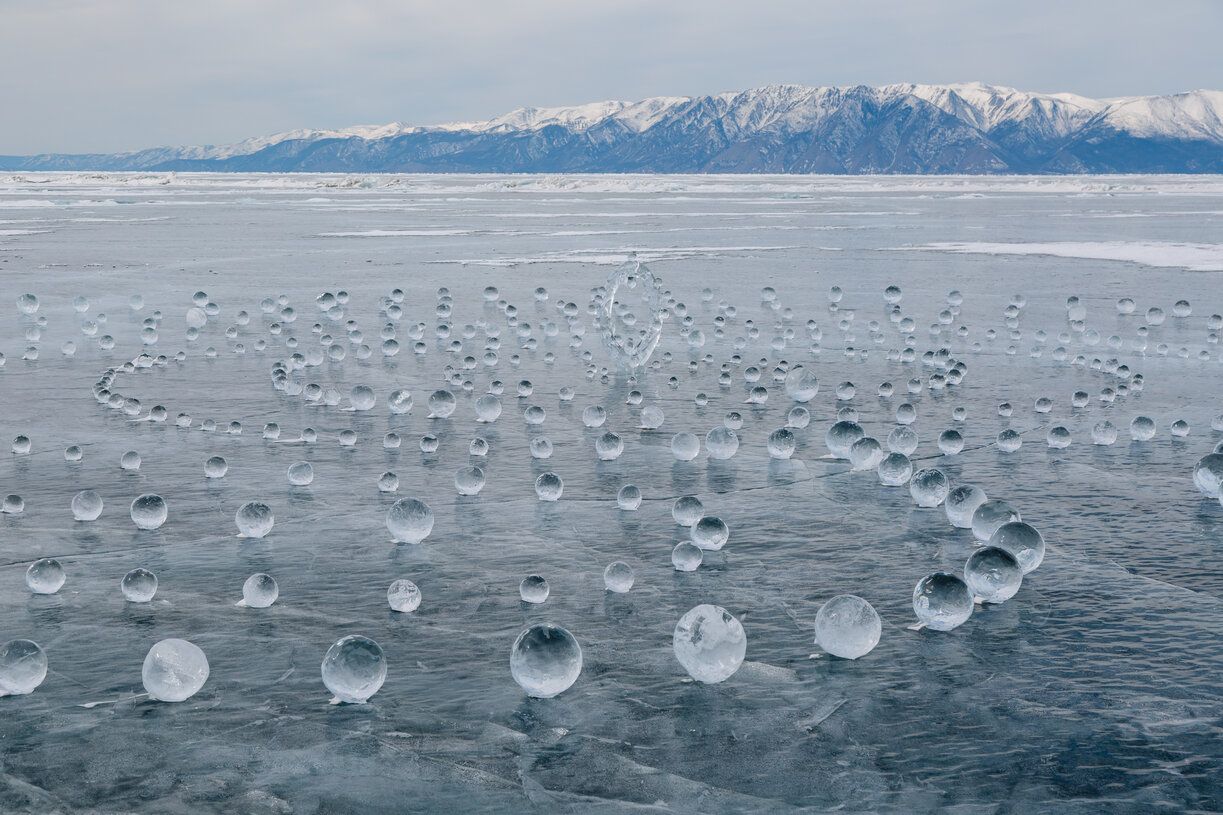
(1197, 257)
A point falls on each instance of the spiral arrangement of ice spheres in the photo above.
(709, 642)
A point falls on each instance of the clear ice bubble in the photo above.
(1058, 438)
(86, 506)
(545, 660)
(950, 442)
(388, 482)
(593, 416)
(130, 461)
(174, 671)
(441, 404)
(993, 574)
(847, 626)
(362, 397)
(865, 454)
(533, 589)
(618, 577)
(259, 591)
(354, 669)
(149, 511)
(541, 448)
(841, 437)
(1208, 475)
(687, 510)
(1022, 541)
(549, 487)
(685, 446)
(801, 384)
(1142, 428)
(23, 667)
(409, 520)
(709, 643)
(469, 481)
(608, 447)
(215, 467)
(400, 401)
(961, 503)
(942, 601)
(1103, 433)
(686, 556)
(652, 417)
(254, 519)
(403, 596)
(628, 498)
(721, 443)
(488, 408)
(989, 516)
(138, 586)
(929, 487)
(894, 470)
(902, 439)
(45, 576)
(22, 445)
(1009, 441)
(709, 533)
(782, 442)
(300, 474)
(27, 304)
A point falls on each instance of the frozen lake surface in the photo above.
(1097, 688)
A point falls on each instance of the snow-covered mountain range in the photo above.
(962, 128)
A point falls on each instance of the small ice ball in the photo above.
(709, 643)
(174, 670)
(441, 404)
(1142, 428)
(149, 511)
(782, 442)
(709, 533)
(469, 481)
(362, 397)
(488, 408)
(409, 520)
(608, 447)
(865, 454)
(215, 467)
(300, 474)
(541, 448)
(902, 439)
(798, 417)
(961, 503)
(629, 498)
(593, 416)
(652, 417)
(45, 576)
(254, 519)
(687, 510)
(1104, 433)
(354, 669)
(1022, 541)
(86, 506)
(686, 556)
(533, 589)
(1058, 438)
(801, 384)
(196, 318)
(23, 667)
(259, 591)
(685, 446)
(942, 601)
(841, 437)
(618, 577)
(929, 487)
(895, 470)
(138, 586)
(22, 445)
(1009, 441)
(545, 660)
(403, 596)
(549, 486)
(1208, 475)
(130, 461)
(847, 626)
(388, 482)
(400, 402)
(950, 442)
(989, 516)
(721, 443)
(993, 574)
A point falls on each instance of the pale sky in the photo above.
(110, 75)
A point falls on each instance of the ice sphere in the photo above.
(130, 461)
(929, 487)
(362, 397)
(709, 533)
(865, 454)
(174, 671)
(27, 304)
(441, 404)
(841, 437)
(801, 384)
(23, 667)
(993, 574)
(846, 391)
(138, 586)
(961, 503)
(906, 414)
(593, 416)
(686, 556)
(541, 448)
(45, 576)
(348, 438)
(545, 660)
(1103, 433)
(895, 470)
(721, 443)
(687, 510)
(469, 481)
(533, 589)
(1125, 305)
(902, 439)
(990, 515)
(354, 669)
(409, 520)
(254, 519)
(388, 482)
(652, 417)
(1058, 438)
(149, 511)
(608, 447)
(709, 643)
(73, 453)
(1022, 541)
(781, 443)
(942, 601)
(86, 506)
(629, 498)
(259, 591)
(22, 445)
(403, 596)
(1180, 428)
(1009, 441)
(685, 446)
(488, 408)
(300, 474)
(1208, 475)
(215, 467)
(534, 415)
(950, 442)
(1142, 428)
(400, 401)
(798, 417)
(549, 486)
(196, 318)
(847, 626)
(618, 577)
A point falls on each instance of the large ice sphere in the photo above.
(254, 519)
(847, 626)
(841, 437)
(469, 481)
(545, 660)
(45, 576)
(801, 384)
(685, 446)
(138, 586)
(709, 533)
(533, 589)
(354, 669)
(403, 596)
(929, 487)
(1208, 475)
(1022, 541)
(409, 520)
(23, 667)
(549, 487)
(259, 591)
(989, 516)
(686, 556)
(441, 404)
(895, 470)
(86, 506)
(993, 574)
(300, 474)
(942, 601)
(709, 643)
(149, 511)
(628, 498)
(961, 503)
(174, 670)
(781, 443)
(721, 442)
(631, 314)
(618, 577)
(687, 510)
